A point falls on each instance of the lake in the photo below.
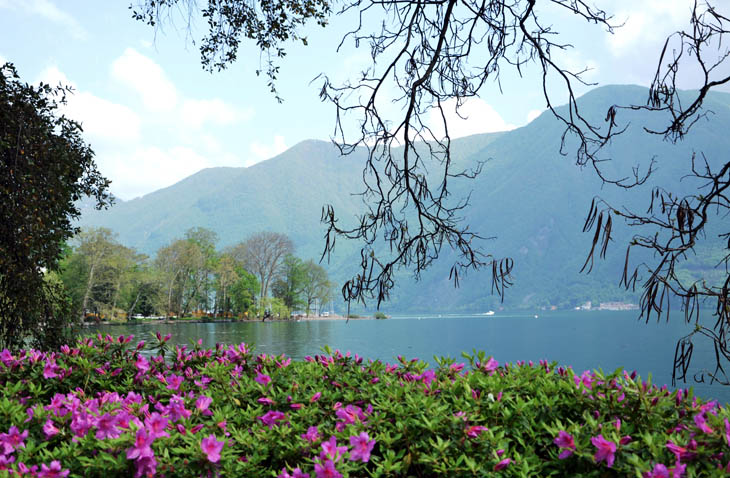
(582, 339)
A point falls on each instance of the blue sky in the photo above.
(153, 116)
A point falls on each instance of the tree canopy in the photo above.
(45, 168)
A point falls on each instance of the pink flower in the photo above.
(490, 366)
(331, 451)
(6, 461)
(701, 423)
(263, 379)
(659, 471)
(727, 431)
(475, 430)
(361, 447)
(53, 471)
(145, 466)
(141, 447)
(212, 448)
(49, 429)
(327, 470)
(315, 397)
(202, 404)
(296, 473)
(142, 364)
(106, 427)
(271, 418)
(156, 424)
(49, 371)
(13, 439)
(502, 464)
(605, 452)
(456, 367)
(312, 435)
(174, 381)
(566, 444)
(265, 401)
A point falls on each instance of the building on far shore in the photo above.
(617, 306)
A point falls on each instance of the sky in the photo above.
(154, 117)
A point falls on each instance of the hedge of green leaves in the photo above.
(106, 407)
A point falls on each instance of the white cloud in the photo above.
(266, 151)
(533, 114)
(475, 116)
(197, 112)
(646, 23)
(148, 168)
(147, 78)
(100, 118)
(49, 11)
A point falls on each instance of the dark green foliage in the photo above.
(45, 167)
(268, 23)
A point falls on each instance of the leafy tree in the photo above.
(290, 285)
(243, 293)
(45, 167)
(226, 275)
(317, 286)
(263, 253)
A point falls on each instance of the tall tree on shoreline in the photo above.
(45, 168)
(263, 254)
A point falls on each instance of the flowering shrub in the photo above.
(107, 407)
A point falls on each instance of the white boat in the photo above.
(491, 312)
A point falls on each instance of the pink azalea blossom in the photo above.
(141, 447)
(502, 464)
(701, 423)
(263, 379)
(53, 471)
(315, 397)
(361, 446)
(212, 448)
(271, 418)
(106, 427)
(605, 452)
(49, 429)
(202, 404)
(6, 461)
(156, 424)
(174, 381)
(475, 430)
(490, 366)
(265, 401)
(566, 444)
(727, 431)
(331, 451)
(296, 473)
(312, 435)
(327, 470)
(13, 439)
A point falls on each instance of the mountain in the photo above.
(529, 197)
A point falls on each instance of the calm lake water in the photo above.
(585, 340)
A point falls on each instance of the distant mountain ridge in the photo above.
(529, 196)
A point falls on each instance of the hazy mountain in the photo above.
(529, 197)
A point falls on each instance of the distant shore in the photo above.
(212, 320)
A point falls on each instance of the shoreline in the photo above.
(222, 320)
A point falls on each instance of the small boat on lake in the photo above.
(491, 312)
